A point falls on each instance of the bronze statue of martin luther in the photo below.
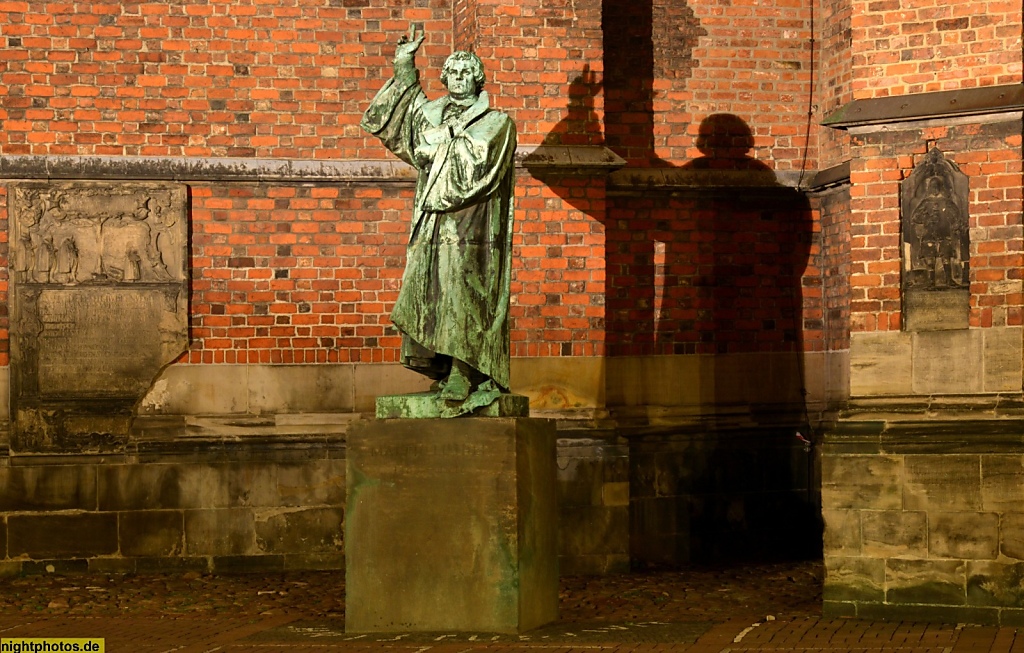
(453, 306)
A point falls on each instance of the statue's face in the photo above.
(460, 80)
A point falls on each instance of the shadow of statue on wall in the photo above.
(706, 259)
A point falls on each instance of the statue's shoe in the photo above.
(456, 387)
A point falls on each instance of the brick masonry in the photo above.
(989, 154)
(290, 80)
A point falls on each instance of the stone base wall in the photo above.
(924, 518)
(593, 497)
(661, 460)
(272, 503)
(251, 494)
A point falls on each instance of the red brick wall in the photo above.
(834, 76)
(278, 278)
(558, 279)
(990, 155)
(286, 79)
(537, 53)
(833, 208)
(306, 272)
(713, 273)
(917, 46)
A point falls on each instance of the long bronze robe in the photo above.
(454, 298)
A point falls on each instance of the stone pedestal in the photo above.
(451, 525)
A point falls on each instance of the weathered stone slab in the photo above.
(99, 299)
(854, 579)
(152, 533)
(334, 561)
(1011, 535)
(894, 533)
(842, 532)
(938, 582)
(935, 245)
(862, 482)
(995, 583)
(943, 482)
(1002, 482)
(594, 529)
(66, 536)
(1004, 352)
(936, 310)
(50, 487)
(426, 405)
(451, 525)
(320, 482)
(140, 487)
(880, 364)
(313, 530)
(964, 535)
(948, 361)
(226, 532)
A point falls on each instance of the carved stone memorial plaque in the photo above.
(99, 290)
(935, 246)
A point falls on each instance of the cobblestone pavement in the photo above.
(709, 610)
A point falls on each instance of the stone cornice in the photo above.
(985, 100)
(589, 160)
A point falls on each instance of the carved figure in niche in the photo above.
(936, 254)
(30, 247)
(937, 226)
(163, 244)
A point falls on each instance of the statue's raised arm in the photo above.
(453, 306)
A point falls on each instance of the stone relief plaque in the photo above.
(99, 298)
(935, 246)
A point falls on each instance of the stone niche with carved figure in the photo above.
(99, 298)
(935, 239)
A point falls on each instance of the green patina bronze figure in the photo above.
(453, 306)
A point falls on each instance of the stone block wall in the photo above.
(208, 504)
(594, 503)
(922, 518)
(253, 495)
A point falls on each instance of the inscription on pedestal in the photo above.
(99, 298)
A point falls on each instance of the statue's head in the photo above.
(459, 65)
